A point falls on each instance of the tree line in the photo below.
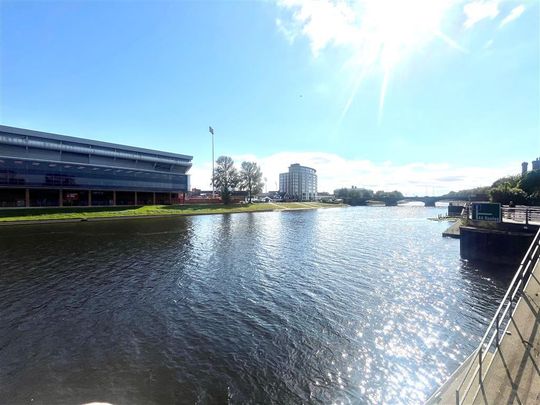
(361, 196)
(519, 189)
(228, 179)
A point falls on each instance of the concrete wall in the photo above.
(498, 246)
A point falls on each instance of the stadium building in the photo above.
(40, 169)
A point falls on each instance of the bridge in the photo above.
(393, 201)
(428, 201)
(505, 368)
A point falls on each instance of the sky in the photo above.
(422, 96)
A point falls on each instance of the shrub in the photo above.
(504, 195)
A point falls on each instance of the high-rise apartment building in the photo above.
(300, 183)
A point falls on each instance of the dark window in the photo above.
(75, 157)
(81, 177)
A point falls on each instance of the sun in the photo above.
(380, 34)
(389, 31)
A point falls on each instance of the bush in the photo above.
(504, 195)
(534, 199)
(512, 181)
(530, 183)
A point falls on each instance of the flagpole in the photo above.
(213, 184)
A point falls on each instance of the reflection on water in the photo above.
(356, 305)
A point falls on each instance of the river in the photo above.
(360, 305)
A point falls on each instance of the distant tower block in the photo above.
(524, 168)
(536, 164)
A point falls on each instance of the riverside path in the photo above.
(505, 369)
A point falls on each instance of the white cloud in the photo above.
(514, 15)
(375, 30)
(477, 11)
(201, 175)
(323, 22)
(334, 172)
(376, 34)
(289, 34)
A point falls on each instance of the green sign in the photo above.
(486, 212)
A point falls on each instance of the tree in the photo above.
(512, 181)
(504, 194)
(251, 178)
(354, 195)
(390, 198)
(225, 178)
(530, 183)
(518, 189)
(473, 194)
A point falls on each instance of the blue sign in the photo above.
(486, 212)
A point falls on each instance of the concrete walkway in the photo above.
(514, 375)
(453, 230)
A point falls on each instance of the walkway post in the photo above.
(480, 365)
(498, 321)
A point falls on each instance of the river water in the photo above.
(359, 305)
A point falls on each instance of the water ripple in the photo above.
(360, 305)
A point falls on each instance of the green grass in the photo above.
(59, 213)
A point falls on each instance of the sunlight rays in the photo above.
(380, 34)
(450, 42)
(383, 94)
(395, 31)
(358, 80)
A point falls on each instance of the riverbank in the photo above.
(77, 214)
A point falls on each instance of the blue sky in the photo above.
(423, 96)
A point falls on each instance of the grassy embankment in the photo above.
(63, 213)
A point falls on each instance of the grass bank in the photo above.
(85, 213)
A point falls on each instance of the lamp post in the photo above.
(213, 184)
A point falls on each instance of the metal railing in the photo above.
(524, 215)
(521, 214)
(500, 321)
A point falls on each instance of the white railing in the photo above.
(521, 214)
(496, 328)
